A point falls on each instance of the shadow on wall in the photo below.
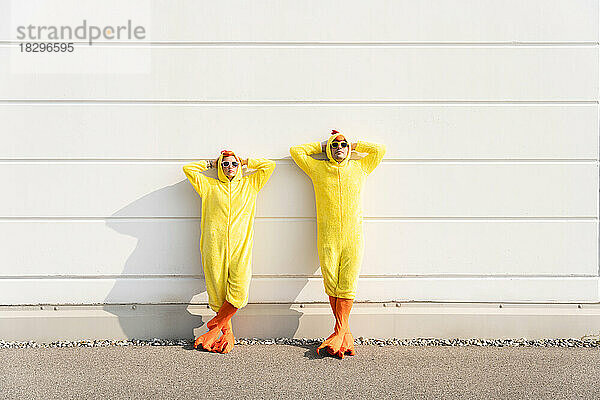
(161, 291)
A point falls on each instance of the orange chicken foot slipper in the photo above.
(226, 341)
(341, 341)
(218, 323)
(207, 340)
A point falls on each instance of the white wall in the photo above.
(488, 191)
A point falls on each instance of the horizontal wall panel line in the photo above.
(378, 219)
(275, 43)
(291, 218)
(286, 290)
(442, 305)
(303, 276)
(292, 102)
(10, 307)
(289, 161)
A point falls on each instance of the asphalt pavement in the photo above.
(297, 372)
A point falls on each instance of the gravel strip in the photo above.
(521, 342)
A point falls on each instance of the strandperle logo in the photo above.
(83, 32)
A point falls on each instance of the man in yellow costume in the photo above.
(338, 183)
(228, 206)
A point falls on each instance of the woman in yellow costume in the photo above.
(228, 206)
(338, 183)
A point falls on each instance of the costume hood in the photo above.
(334, 134)
(221, 174)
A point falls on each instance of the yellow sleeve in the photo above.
(264, 168)
(301, 155)
(375, 154)
(199, 181)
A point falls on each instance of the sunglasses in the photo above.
(341, 144)
(226, 163)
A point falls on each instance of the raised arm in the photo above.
(301, 155)
(264, 168)
(375, 154)
(193, 172)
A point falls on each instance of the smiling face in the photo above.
(229, 170)
(339, 153)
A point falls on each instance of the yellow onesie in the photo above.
(338, 188)
(227, 228)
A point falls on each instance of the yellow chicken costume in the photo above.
(227, 233)
(338, 193)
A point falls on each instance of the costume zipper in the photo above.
(228, 221)
(341, 212)
(340, 195)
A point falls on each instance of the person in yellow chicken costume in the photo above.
(338, 183)
(228, 206)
